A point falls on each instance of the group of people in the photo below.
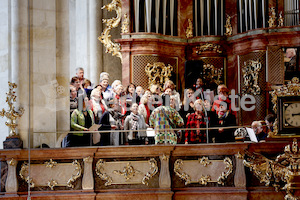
(123, 114)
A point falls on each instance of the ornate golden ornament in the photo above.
(52, 183)
(204, 161)
(50, 174)
(11, 114)
(78, 169)
(101, 174)
(292, 88)
(189, 29)
(50, 164)
(153, 169)
(164, 157)
(125, 24)
(12, 162)
(224, 175)
(158, 73)
(228, 27)
(283, 171)
(178, 171)
(272, 18)
(211, 73)
(204, 180)
(128, 172)
(105, 37)
(250, 72)
(131, 175)
(280, 19)
(193, 170)
(208, 47)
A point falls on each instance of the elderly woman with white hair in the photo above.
(196, 120)
(98, 107)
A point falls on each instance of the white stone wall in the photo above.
(4, 64)
(62, 35)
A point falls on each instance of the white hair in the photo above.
(115, 84)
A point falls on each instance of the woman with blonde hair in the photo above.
(170, 84)
(144, 109)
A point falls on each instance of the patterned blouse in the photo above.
(163, 129)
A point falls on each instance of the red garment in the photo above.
(195, 136)
(148, 113)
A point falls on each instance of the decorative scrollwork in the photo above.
(52, 183)
(224, 175)
(11, 114)
(128, 172)
(76, 176)
(178, 168)
(154, 169)
(204, 161)
(158, 73)
(102, 175)
(53, 172)
(212, 74)
(105, 37)
(250, 71)
(50, 164)
(204, 180)
(208, 47)
(189, 29)
(283, 171)
(23, 171)
(125, 24)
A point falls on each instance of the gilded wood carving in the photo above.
(250, 71)
(51, 174)
(158, 73)
(203, 170)
(11, 114)
(105, 37)
(126, 172)
(282, 173)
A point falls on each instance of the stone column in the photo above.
(95, 29)
(19, 61)
(11, 184)
(62, 69)
(88, 180)
(164, 176)
(240, 175)
(45, 88)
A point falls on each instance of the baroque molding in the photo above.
(192, 176)
(125, 24)
(208, 47)
(49, 170)
(111, 172)
(282, 173)
(250, 73)
(105, 37)
(158, 73)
